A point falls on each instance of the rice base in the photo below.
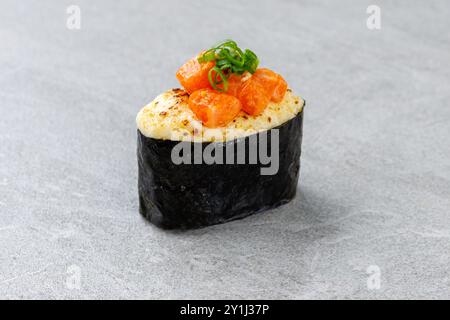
(168, 117)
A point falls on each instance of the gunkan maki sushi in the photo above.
(225, 146)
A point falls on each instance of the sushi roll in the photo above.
(225, 146)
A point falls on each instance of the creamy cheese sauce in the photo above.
(169, 117)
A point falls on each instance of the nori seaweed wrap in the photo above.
(195, 195)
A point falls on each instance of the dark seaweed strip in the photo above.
(190, 196)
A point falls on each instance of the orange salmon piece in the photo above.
(213, 108)
(275, 85)
(234, 84)
(193, 75)
(253, 96)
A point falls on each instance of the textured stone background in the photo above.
(375, 178)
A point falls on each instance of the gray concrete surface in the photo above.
(375, 177)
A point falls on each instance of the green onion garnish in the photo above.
(214, 81)
(229, 59)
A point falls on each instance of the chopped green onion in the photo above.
(209, 55)
(214, 82)
(251, 61)
(238, 62)
(229, 59)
